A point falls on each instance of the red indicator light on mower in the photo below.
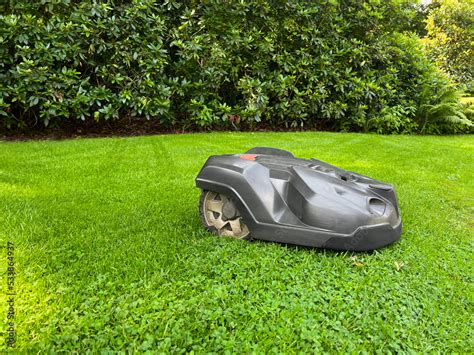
(248, 156)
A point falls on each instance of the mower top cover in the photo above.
(269, 194)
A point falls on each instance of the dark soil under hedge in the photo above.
(90, 128)
(127, 127)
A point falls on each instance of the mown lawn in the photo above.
(110, 253)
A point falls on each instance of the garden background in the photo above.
(373, 66)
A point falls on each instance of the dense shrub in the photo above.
(339, 65)
(450, 31)
(87, 60)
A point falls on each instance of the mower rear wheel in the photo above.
(220, 216)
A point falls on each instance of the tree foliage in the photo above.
(450, 38)
(340, 65)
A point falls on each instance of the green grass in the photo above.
(110, 253)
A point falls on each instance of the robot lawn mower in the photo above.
(269, 194)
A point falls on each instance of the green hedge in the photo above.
(340, 65)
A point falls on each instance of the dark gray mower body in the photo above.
(305, 202)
